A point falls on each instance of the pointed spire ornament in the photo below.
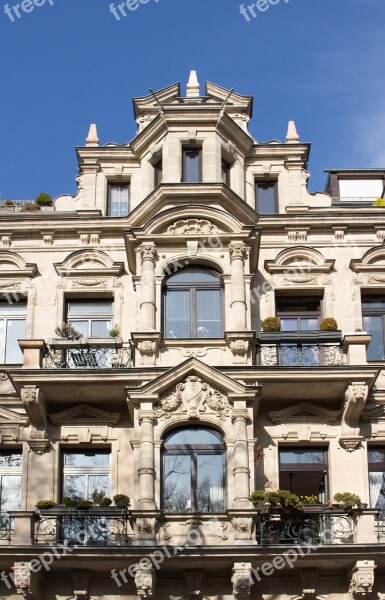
(193, 86)
(292, 135)
(92, 138)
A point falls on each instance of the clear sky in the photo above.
(68, 63)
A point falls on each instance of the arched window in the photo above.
(193, 471)
(193, 304)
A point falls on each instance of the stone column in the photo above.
(148, 303)
(241, 469)
(146, 461)
(238, 291)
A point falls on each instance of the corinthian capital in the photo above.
(237, 250)
(147, 251)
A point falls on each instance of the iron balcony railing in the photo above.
(354, 199)
(88, 356)
(6, 527)
(93, 527)
(299, 349)
(320, 527)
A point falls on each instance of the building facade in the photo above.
(133, 364)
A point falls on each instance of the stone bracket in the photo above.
(27, 583)
(240, 344)
(147, 344)
(362, 579)
(145, 583)
(242, 581)
(355, 400)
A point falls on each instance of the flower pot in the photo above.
(362, 505)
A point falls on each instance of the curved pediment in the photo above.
(189, 221)
(299, 259)
(373, 261)
(87, 263)
(13, 265)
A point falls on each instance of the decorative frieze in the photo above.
(192, 226)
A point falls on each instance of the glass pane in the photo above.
(373, 325)
(75, 486)
(377, 489)
(100, 328)
(289, 324)
(98, 487)
(87, 459)
(266, 199)
(119, 200)
(177, 483)
(15, 331)
(177, 314)
(376, 455)
(308, 323)
(191, 159)
(81, 326)
(96, 307)
(10, 492)
(14, 308)
(193, 437)
(208, 307)
(373, 303)
(210, 492)
(192, 275)
(10, 459)
(306, 456)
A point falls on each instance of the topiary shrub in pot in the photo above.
(69, 502)
(43, 200)
(121, 501)
(329, 324)
(379, 202)
(347, 499)
(45, 504)
(271, 324)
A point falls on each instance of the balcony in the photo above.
(303, 527)
(109, 353)
(300, 349)
(73, 527)
(354, 200)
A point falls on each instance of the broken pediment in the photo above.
(304, 412)
(88, 263)
(84, 413)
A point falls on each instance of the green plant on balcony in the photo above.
(121, 501)
(115, 331)
(329, 324)
(45, 504)
(9, 203)
(69, 502)
(308, 500)
(347, 499)
(30, 207)
(99, 498)
(43, 200)
(276, 500)
(68, 332)
(271, 324)
(379, 202)
(84, 504)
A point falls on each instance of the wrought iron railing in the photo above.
(304, 528)
(82, 528)
(88, 357)
(354, 199)
(380, 526)
(6, 526)
(298, 353)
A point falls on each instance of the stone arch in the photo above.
(210, 421)
(172, 265)
(11, 264)
(299, 258)
(88, 261)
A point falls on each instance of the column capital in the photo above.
(237, 250)
(147, 251)
(146, 416)
(239, 414)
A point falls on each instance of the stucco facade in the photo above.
(300, 408)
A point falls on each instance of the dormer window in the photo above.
(191, 164)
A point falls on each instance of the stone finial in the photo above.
(92, 138)
(292, 136)
(192, 90)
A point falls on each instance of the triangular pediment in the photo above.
(84, 413)
(233, 389)
(150, 103)
(10, 417)
(304, 412)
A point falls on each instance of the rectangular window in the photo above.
(92, 318)
(178, 315)
(118, 199)
(373, 320)
(192, 165)
(12, 328)
(10, 480)
(304, 471)
(208, 313)
(297, 314)
(376, 463)
(86, 474)
(226, 171)
(158, 173)
(266, 197)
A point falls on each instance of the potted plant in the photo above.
(347, 499)
(44, 200)
(277, 500)
(309, 500)
(329, 324)
(67, 337)
(271, 324)
(46, 504)
(121, 501)
(84, 505)
(379, 202)
(115, 331)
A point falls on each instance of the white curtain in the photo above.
(376, 480)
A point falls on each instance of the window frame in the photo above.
(193, 451)
(226, 171)
(303, 467)
(375, 467)
(191, 148)
(19, 314)
(300, 313)
(192, 287)
(110, 185)
(86, 471)
(12, 472)
(267, 183)
(374, 312)
(88, 316)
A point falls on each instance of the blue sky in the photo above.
(63, 66)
